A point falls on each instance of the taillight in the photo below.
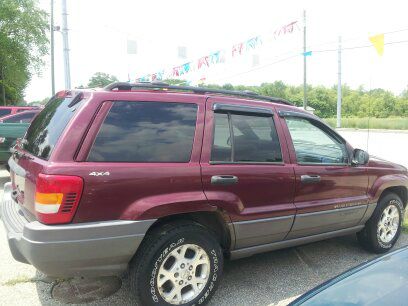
(57, 197)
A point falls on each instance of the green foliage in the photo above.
(23, 43)
(40, 102)
(392, 123)
(377, 103)
(101, 79)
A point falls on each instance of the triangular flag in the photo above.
(378, 43)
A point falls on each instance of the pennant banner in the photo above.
(218, 56)
(378, 43)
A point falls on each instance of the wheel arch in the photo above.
(216, 221)
(401, 191)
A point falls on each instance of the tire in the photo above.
(159, 265)
(373, 236)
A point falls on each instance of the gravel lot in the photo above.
(273, 278)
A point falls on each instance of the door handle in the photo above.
(310, 179)
(224, 180)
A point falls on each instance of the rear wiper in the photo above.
(19, 155)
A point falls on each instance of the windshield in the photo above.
(47, 127)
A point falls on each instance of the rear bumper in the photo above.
(86, 249)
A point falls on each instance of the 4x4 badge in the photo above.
(99, 173)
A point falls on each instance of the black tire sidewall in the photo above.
(148, 290)
(389, 199)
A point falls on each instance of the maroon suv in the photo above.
(171, 180)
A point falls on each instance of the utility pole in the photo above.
(304, 61)
(64, 32)
(339, 85)
(52, 49)
(3, 87)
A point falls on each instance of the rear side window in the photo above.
(48, 125)
(146, 132)
(5, 112)
(245, 138)
(23, 117)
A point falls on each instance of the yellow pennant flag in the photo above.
(378, 43)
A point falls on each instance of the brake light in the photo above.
(57, 198)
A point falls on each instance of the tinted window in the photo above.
(254, 139)
(146, 132)
(221, 149)
(4, 112)
(314, 145)
(22, 110)
(47, 127)
(22, 117)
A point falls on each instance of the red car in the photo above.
(171, 180)
(11, 110)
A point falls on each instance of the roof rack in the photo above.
(200, 90)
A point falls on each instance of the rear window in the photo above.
(47, 127)
(4, 112)
(146, 132)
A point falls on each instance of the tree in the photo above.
(101, 79)
(23, 43)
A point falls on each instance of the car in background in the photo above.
(11, 110)
(21, 117)
(13, 127)
(382, 281)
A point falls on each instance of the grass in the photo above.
(396, 123)
(405, 226)
(19, 280)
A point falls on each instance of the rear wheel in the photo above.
(384, 227)
(179, 264)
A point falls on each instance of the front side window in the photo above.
(313, 145)
(245, 138)
(146, 132)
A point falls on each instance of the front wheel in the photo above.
(381, 232)
(179, 264)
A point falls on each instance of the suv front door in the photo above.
(330, 194)
(246, 171)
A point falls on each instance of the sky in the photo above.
(99, 31)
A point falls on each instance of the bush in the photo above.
(392, 123)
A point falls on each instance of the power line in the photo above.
(299, 53)
(363, 46)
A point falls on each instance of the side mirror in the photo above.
(360, 157)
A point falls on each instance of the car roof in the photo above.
(354, 281)
(20, 113)
(21, 107)
(245, 97)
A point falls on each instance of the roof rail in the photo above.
(200, 90)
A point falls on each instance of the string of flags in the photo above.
(237, 50)
(219, 56)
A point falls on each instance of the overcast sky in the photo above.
(100, 29)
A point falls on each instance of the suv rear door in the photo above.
(246, 170)
(32, 154)
(330, 193)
